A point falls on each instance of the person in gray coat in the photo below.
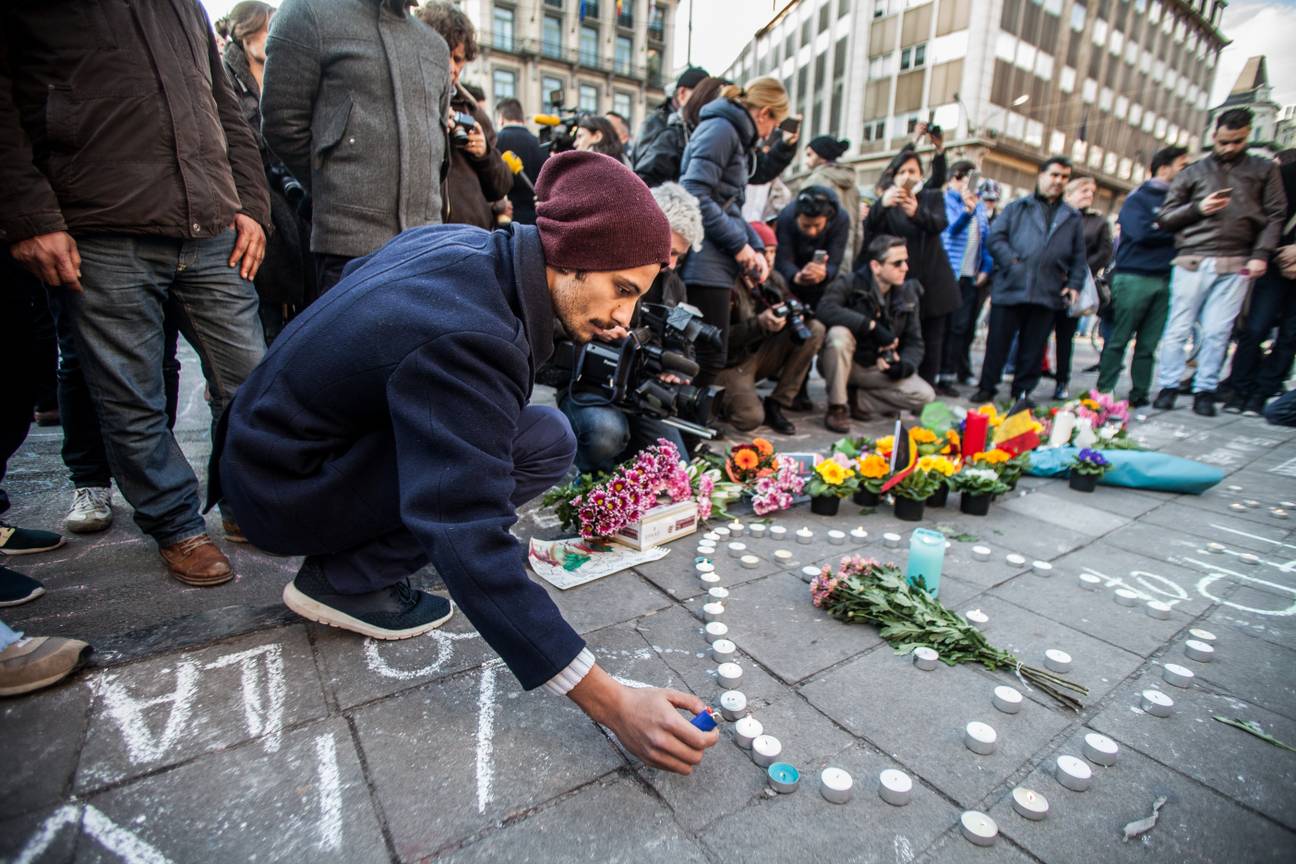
(1040, 265)
(355, 102)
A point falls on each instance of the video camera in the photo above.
(558, 130)
(625, 374)
(463, 124)
(790, 308)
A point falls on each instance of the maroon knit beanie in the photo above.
(594, 214)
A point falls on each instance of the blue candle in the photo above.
(783, 777)
(926, 557)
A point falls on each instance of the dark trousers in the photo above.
(956, 355)
(16, 349)
(1064, 331)
(1030, 325)
(328, 272)
(933, 332)
(542, 452)
(44, 357)
(1273, 304)
(713, 302)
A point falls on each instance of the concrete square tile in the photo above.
(1072, 512)
(42, 732)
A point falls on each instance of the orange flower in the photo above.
(763, 447)
(923, 435)
(745, 459)
(873, 466)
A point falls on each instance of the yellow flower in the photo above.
(1090, 404)
(923, 435)
(832, 472)
(873, 466)
(936, 464)
(885, 444)
(989, 411)
(992, 457)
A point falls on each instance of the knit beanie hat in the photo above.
(595, 214)
(691, 77)
(828, 147)
(765, 233)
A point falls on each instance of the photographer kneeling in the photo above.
(874, 342)
(769, 336)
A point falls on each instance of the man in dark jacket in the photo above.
(355, 102)
(874, 342)
(1140, 283)
(1227, 211)
(515, 137)
(813, 230)
(655, 122)
(389, 426)
(132, 179)
(1039, 255)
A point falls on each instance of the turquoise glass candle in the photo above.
(926, 558)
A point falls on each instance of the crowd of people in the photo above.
(378, 267)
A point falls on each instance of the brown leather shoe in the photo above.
(233, 533)
(198, 561)
(837, 419)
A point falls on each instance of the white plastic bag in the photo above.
(1086, 302)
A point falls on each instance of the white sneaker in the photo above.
(91, 510)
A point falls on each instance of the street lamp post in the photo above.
(1016, 103)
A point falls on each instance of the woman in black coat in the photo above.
(919, 218)
(1098, 254)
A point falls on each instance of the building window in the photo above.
(548, 85)
(502, 22)
(875, 131)
(913, 58)
(657, 22)
(588, 99)
(589, 9)
(654, 68)
(625, 18)
(879, 8)
(553, 4)
(623, 104)
(824, 11)
(624, 53)
(503, 85)
(551, 38)
(843, 8)
(589, 40)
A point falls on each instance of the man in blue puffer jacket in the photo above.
(965, 244)
(1039, 266)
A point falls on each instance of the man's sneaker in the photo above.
(1061, 393)
(1235, 404)
(1254, 407)
(775, 420)
(17, 589)
(197, 561)
(1138, 401)
(26, 541)
(1204, 404)
(396, 612)
(944, 388)
(1165, 400)
(91, 510)
(30, 664)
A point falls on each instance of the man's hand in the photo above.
(51, 258)
(1069, 296)
(1214, 202)
(811, 274)
(476, 146)
(249, 248)
(646, 721)
(893, 196)
(769, 322)
(1257, 267)
(752, 263)
(908, 203)
(882, 365)
(969, 200)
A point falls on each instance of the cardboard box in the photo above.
(661, 524)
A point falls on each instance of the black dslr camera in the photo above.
(790, 308)
(463, 124)
(625, 374)
(289, 186)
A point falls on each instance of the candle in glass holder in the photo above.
(737, 549)
(1099, 749)
(978, 828)
(1179, 676)
(891, 540)
(925, 658)
(783, 778)
(716, 630)
(766, 750)
(835, 785)
(1075, 774)
(733, 705)
(1015, 560)
(1156, 703)
(730, 674)
(1089, 582)
(836, 538)
(1057, 660)
(712, 611)
(749, 562)
(746, 730)
(980, 738)
(804, 536)
(1126, 597)
(723, 650)
(1029, 803)
(895, 787)
(1200, 651)
(926, 559)
(777, 532)
(1007, 699)
(982, 553)
(1157, 609)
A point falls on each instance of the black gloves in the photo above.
(902, 369)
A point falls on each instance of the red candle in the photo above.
(974, 434)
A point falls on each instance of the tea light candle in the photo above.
(1290, 505)
(1233, 487)
(1278, 513)
(1089, 582)
(733, 705)
(722, 650)
(1157, 609)
(835, 785)
(1179, 676)
(756, 529)
(711, 536)
(783, 556)
(980, 738)
(1251, 503)
(1156, 703)
(718, 593)
(778, 532)
(804, 536)
(891, 540)
(783, 778)
(749, 562)
(737, 550)
(895, 787)
(836, 538)
(712, 611)
(1007, 699)
(710, 579)
(716, 630)
(1015, 560)
(977, 618)
(1201, 635)
(1073, 773)
(1238, 506)
(1042, 568)
(1202, 652)
(1057, 660)
(735, 528)
(730, 674)
(808, 573)
(706, 550)
(982, 553)
(746, 730)
(1126, 597)
(1029, 804)
(765, 750)
(859, 533)
(979, 828)
(1099, 749)
(704, 567)
(925, 658)
(1249, 558)
(1216, 548)
(721, 532)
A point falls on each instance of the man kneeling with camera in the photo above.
(769, 337)
(874, 342)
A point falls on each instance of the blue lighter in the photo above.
(705, 720)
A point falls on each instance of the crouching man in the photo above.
(389, 426)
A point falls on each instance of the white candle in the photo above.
(1156, 703)
(1015, 559)
(980, 738)
(1126, 597)
(1007, 699)
(835, 785)
(711, 536)
(765, 750)
(982, 553)
(804, 536)
(1157, 609)
(756, 529)
(746, 730)
(710, 579)
(1089, 582)
(1290, 505)
(1201, 635)
(713, 611)
(1216, 548)
(720, 531)
(1179, 676)
(925, 658)
(778, 532)
(859, 533)
(722, 651)
(716, 630)
(737, 550)
(808, 573)
(1233, 487)
(979, 828)
(718, 593)
(891, 540)
(1057, 660)
(1238, 506)
(1249, 558)
(1202, 652)
(733, 705)
(1099, 749)
(977, 618)
(1064, 423)
(1278, 513)
(704, 567)
(1251, 503)
(749, 562)
(1042, 568)
(735, 528)
(1029, 804)
(783, 556)
(729, 674)
(783, 778)
(895, 787)
(706, 550)
(836, 538)
(1074, 773)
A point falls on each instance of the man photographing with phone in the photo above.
(812, 233)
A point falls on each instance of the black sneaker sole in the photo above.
(36, 592)
(7, 551)
(313, 610)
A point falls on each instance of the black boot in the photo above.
(1204, 404)
(1165, 400)
(802, 400)
(775, 420)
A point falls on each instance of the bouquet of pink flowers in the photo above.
(602, 509)
(776, 492)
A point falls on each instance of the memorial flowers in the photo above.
(747, 463)
(1086, 468)
(778, 490)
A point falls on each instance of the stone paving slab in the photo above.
(1252, 670)
(1274, 629)
(953, 848)
(39, 745)
(1114, 500)
(162, 712)
(1072, 512)
(613, 599)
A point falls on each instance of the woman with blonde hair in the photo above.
(719, 161)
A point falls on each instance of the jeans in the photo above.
(1273, 304)
(1139, 307)
(118, 325)
(606, 436)
(1211, 299)
(8, 636)
(956, 355)
(1282, 411)
(16, 348)
(1027, 325)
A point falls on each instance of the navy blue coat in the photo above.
(393, 400)
(795, 250)
(1145, 247)
(1034, 264)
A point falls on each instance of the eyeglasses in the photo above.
(902, 263)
